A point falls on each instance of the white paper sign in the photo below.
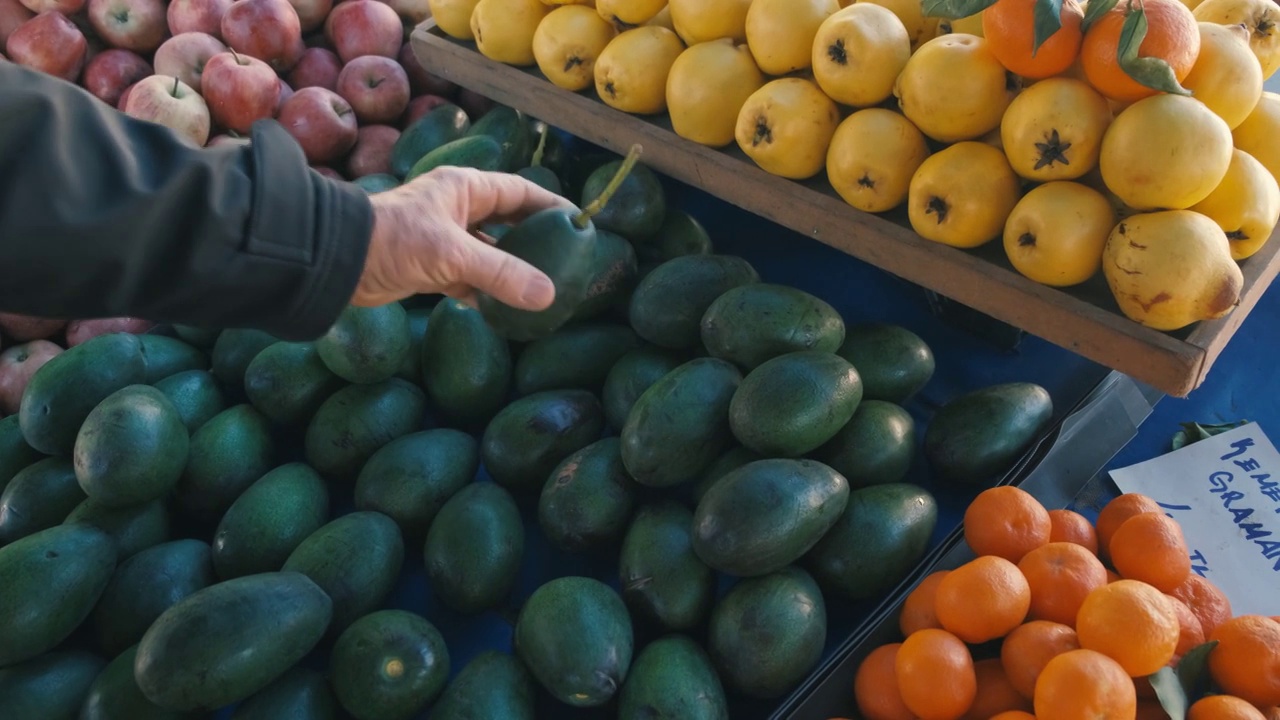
(1225, 492)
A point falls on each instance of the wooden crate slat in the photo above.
(1175, 366)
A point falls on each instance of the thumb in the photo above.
(504, 276)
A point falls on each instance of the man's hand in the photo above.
(424, 240)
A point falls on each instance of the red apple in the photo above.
(322, 122)
(124, 98)
(17, 365)
(412, 12)
(80, 331)
(197, 16)
(364, 27)
(318, 67)
(110, 72)
(474, 104)
(50, 43)
(377, 88)
(422, 82)
(137, 25)
(168, 101)
(328, 172)
(285, 93)
(311, 13)
(420, 106)
(240, 90)
(12, 14)
(372, 153)
(184, 56)
(66, 7)
(265, 29)
(25, 327)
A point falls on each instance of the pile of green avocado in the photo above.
(169, 543)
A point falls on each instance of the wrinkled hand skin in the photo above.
(423, 241)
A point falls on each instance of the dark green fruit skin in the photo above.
(981, 434)
(543, 177)
(441, 125)
(38, 497)
(767, 634)
(767, 514)
(681, 235)
(578, 356)
(230, 640)
(146, 585)
(550, 241)
(876, 447)
(466, 367)
(630, 376)
(49, 583)
(300, 694)
(663, 580)
(728, 462)
(532, 435)
(199, 337)
(587, 502)
(133, 529)
(614, 274)
(794, 403)
(356, 559)
(288, 382)
(66, 389)
(376, 183)
(114, 694)
(680, 425)
(894, 362)
(411, 368)
(754, 323)
(574, 634)
(269, 521)
(366, 345)
(168, 356)
(672, 679)
(359, 662)
(357, 420)
(507, 126)
(882, 535)
(474, 548)
(49, 687)
(668, 304)
(493, 685)
(15, 453)
(637, 208)
(477, 151)
(233, 352)
(412, 477)
(196, 396)
(132, 448)
(228, 454)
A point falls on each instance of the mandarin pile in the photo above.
(1041, 625)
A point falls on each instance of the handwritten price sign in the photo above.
(1225, 492)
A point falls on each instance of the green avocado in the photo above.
(366, 345)
(358, 420)
(196, 396)
(50, 687)
(300, 694)
(577, 356)
(474, 548)
(587, 502)
(288, 381)
(875, 447)
(639, 206)
(630, 376)
(146, 585)
(269, 521)
(664, 582)
(532, 435)
(979, 435)
(389, 665)
(672, 679)
(493, 685)
(227, 454)
(38, 497)
(753, 323)
(668, 304)
(410, 478)
(132, 448)
(894, 362)
(466, 366)
(133, 529)
(439, 126)
(481, 152)
(790, 405)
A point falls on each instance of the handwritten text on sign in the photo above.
(1225, 492)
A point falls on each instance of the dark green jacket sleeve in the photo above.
(102, 215)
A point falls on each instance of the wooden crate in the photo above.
(1084, 320)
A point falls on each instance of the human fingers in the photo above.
(502, 195)
(502, 275)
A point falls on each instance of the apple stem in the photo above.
(542, 146)
(583, 218)
(175, 86)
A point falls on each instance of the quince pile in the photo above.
(1128, 136)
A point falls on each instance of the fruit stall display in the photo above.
(1057, 614)
(1070, 172)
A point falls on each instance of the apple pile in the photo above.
(30, 342)
(339, 75)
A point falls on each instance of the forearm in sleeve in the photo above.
(102, 215)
